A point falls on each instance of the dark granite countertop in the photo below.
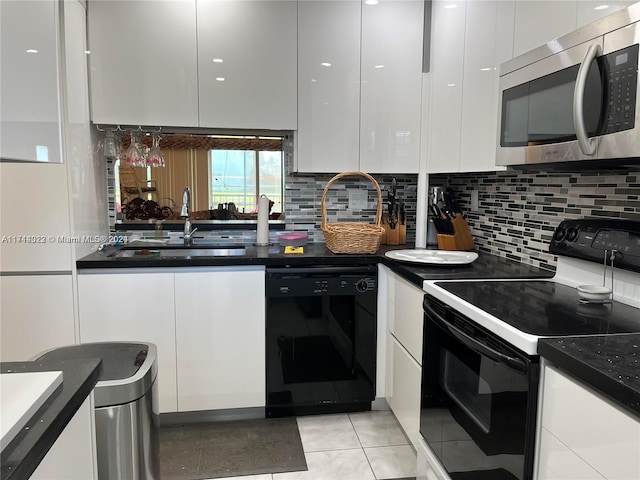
(316, 254)
(22, 456)
(609, 364)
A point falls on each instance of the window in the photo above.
(240, 176)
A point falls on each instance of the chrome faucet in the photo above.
(185, 212)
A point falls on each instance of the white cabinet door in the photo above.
(328, 86)
(403, 388)
(133, 307)
(391, 86)
(488, 42)
(590, 10)
(538, 22)
(143, 62)
(408, 317)
(36, 314)
(247, 64)
(30, 107)
(591, 428)
(220, 327)
(73, 455)
(447, 60)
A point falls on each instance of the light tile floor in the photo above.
(354, 446)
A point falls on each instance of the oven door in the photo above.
(478, 399)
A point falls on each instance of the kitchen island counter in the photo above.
(23, 454)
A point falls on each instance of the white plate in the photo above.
(432, 257)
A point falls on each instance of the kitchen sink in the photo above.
(179, 252)
(175, 243)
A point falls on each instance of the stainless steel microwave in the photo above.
(574, 98)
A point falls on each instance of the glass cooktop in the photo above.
(545, 308)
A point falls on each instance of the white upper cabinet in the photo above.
(469, 41)
(447, 72)
(488, 42)
(29, 92)
(359, 86)
(143, 62)
(590, 11)
(537, 22)
(328, 86)
(247, 64)
(391, 86)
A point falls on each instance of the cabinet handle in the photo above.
(587, 146)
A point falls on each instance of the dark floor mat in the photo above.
(311, 359)
(230, 449)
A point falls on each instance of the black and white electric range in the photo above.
(480, 366)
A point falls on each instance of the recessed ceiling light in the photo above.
(87, 52)
(32, 50)
(601, 7)
(485, 69)
(378, 66)
(217, 60)
(325, 64)
(313, 80)
(450, 6)
(220, 79)
(371, 2)
(451, 84)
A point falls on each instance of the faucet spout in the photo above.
(185, 212)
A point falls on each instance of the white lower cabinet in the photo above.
(208, 325)
(134, 307)
(583, 435)
(404, 353)
(73, 455)
(403, 388)
(220, 338)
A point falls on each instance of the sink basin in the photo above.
(178, 243)
(179, 252)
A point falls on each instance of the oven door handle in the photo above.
(479, 347)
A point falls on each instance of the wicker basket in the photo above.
(352, 237)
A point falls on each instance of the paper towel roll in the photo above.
(262, 236)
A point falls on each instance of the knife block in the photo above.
(460, 240)
(393, 236)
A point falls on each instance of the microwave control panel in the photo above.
(621, 77)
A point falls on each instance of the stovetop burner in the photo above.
(545, 308)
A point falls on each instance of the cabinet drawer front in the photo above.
(603, 435)
(556, 461)
(408, 318)
(403, 393)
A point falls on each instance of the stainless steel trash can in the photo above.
(126, 407)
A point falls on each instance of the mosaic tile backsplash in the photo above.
(518, 211)
(303, 196)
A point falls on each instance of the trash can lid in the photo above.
(128, 369)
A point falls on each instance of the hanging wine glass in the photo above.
(134, 155)
(155, 157)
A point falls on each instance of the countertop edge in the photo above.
(624, 396)
(25, 452)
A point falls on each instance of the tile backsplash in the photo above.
(303, 197)
(519, 210)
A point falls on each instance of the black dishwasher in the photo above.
(320, 339)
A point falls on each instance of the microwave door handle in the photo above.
(587, 146)
(473, 344)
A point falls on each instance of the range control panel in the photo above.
(589, 239)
